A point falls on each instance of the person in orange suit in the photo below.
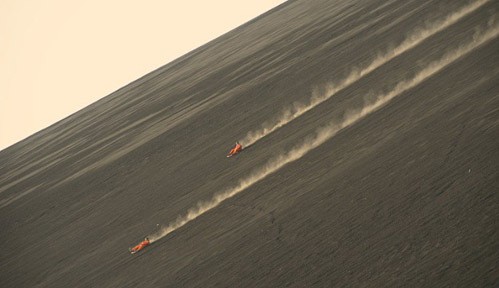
(140, 246)
(238, 148)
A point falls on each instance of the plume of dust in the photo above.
(297, 109)
(323, 134)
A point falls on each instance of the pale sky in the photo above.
(58, 56)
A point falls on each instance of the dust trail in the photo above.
(298, 109)
(323, 134)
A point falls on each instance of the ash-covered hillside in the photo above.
(370, 159)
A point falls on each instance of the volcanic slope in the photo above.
(404, 196)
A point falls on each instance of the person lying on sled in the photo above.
(140, 246)
(238, 148)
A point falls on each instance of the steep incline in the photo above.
(402, 196)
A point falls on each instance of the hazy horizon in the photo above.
(95, 48)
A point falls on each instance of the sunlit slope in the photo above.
(402, 196)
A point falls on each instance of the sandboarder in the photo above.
(238, 148)
(140, 246)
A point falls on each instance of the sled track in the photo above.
(296, 110)
(323, 134)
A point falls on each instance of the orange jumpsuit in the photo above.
(141, 246)
(236, 149)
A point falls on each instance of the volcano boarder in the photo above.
(238, 148)
(140, 246)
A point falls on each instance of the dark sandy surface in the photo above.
(405, 197)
